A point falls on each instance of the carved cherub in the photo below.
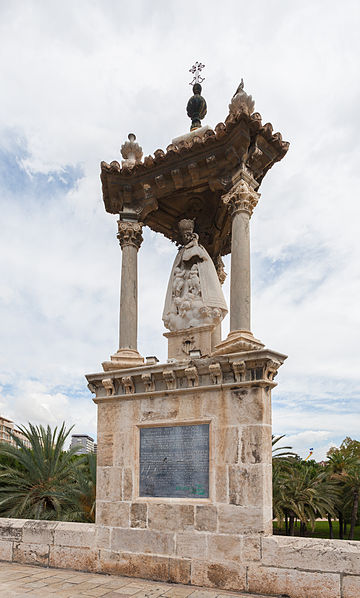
(178, 283)
(194, 281)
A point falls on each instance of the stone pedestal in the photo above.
(181, 342)
(192, 540)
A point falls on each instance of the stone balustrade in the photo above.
(270, 565)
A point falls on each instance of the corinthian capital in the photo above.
(241, 198)
(129, 233)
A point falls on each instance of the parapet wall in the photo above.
(270, 565)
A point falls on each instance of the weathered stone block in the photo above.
(39, 532)
(127, 487)
(218, 575)
(170, 517)
(191, 545)
(226, 445)
(124, 447)
(142, 541)
(312, 553)
(11, 529)
(155, 408)
(138, 515)
(256, 444)
(224, 548)
(242, 520)
(75, 534)
(80, 559)
(102, 537)
(206, 518)
(251, 549)
(112, 513)
(249, 406)
(109, 483)
(70, 557)
(107, 420)
(250, 485)
(6, 548)
(190, 407)
(294, 583)
(31, 554)
(179, 570)
(350, 587)
(221, 484)
(135, 565)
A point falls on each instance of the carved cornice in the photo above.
(244, 369)
(130, 233)
(241, 198)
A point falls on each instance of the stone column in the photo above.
(130, 239)
(241, 201)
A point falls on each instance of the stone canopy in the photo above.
(189, 179)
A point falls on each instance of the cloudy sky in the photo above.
(76, 78)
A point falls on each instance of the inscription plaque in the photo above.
(174, 461)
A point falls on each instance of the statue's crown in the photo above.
(186, 225)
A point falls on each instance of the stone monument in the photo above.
(184, 447)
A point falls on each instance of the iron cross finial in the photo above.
(196, 70)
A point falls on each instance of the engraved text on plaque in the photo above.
(174, 461)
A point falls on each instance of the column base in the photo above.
(237, 341)
(123, 358)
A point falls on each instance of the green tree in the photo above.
(344, 468)
(86, 490)
(308, 494)
(41, 482)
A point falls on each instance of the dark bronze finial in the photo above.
(196, 107)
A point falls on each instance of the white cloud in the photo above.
(78, 77)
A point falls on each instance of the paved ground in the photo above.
(18, 581)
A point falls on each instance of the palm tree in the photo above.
(282, 456)
(281, 452)
(41, 483)
(305, 493)
(86, 486)
(352, 485)
(344, 468)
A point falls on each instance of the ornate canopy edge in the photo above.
(193, 175)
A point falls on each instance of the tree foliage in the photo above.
(43, 481)
(306, 490)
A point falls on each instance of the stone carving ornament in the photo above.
(194, 296)
(241, 101)
(241, 198)
(130, 233)
(131, 151)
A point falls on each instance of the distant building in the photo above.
(7, 427)
(95, 448)
(84, 442)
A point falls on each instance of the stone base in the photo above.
(123, 358)
(181, 342)
(237, 341)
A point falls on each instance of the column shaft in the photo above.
(128, 298)
(130, 239)
(240, 272)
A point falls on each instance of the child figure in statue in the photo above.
(194, 296)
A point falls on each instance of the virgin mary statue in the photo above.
(194, 296)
